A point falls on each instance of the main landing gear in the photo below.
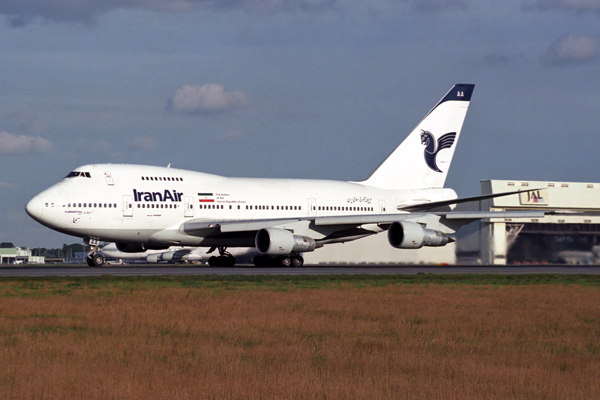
(293, 260)
(225, 259)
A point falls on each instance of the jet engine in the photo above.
(130, 248)
(274, 241)
(158, 257)
(138, 248)
(410, 235)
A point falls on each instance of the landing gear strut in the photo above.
(225, 259)
(95, 259)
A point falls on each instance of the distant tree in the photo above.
(6, 245)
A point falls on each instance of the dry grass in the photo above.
(396, 341)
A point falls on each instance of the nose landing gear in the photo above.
(95, 259)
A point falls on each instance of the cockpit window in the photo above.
(75, 174)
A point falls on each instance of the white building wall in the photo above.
(491, 244)
(377, 250)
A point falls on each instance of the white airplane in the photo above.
(174, 254)
(148, 207)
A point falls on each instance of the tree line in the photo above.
(67, 250)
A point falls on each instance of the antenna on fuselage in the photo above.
(169, 166)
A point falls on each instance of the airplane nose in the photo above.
(34, 208)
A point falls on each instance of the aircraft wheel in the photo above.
(98, 260)
(229, 261)
(297, 261)
(90, 261)
(213, 261)
(284, 261)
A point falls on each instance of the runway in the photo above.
(161, 269)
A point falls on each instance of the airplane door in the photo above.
(381, 206)
(312, 207)
(128, 206)
(109, 178)
(188, 203)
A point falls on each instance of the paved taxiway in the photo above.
(157, 270)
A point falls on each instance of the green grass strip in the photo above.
(286, 282)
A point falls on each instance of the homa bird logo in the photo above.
(432, 148)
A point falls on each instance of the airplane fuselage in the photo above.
(148, 204)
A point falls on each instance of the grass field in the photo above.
(301, 337)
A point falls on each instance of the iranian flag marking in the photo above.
(206, 198)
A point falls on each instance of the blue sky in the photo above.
(289, 88)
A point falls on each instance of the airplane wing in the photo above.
(207, 229)
(204, 228)
(443, 203)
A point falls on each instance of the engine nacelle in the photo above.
(138, 248)
(274, 241)
(159, 257)
(410, 235)
(130, 248)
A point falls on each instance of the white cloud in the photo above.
(575, 5)
(206, 99)
(22, 144)
(21, 12)
(573, 50)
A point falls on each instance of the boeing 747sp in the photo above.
(147, 207)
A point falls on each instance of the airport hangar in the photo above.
(575, 227)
